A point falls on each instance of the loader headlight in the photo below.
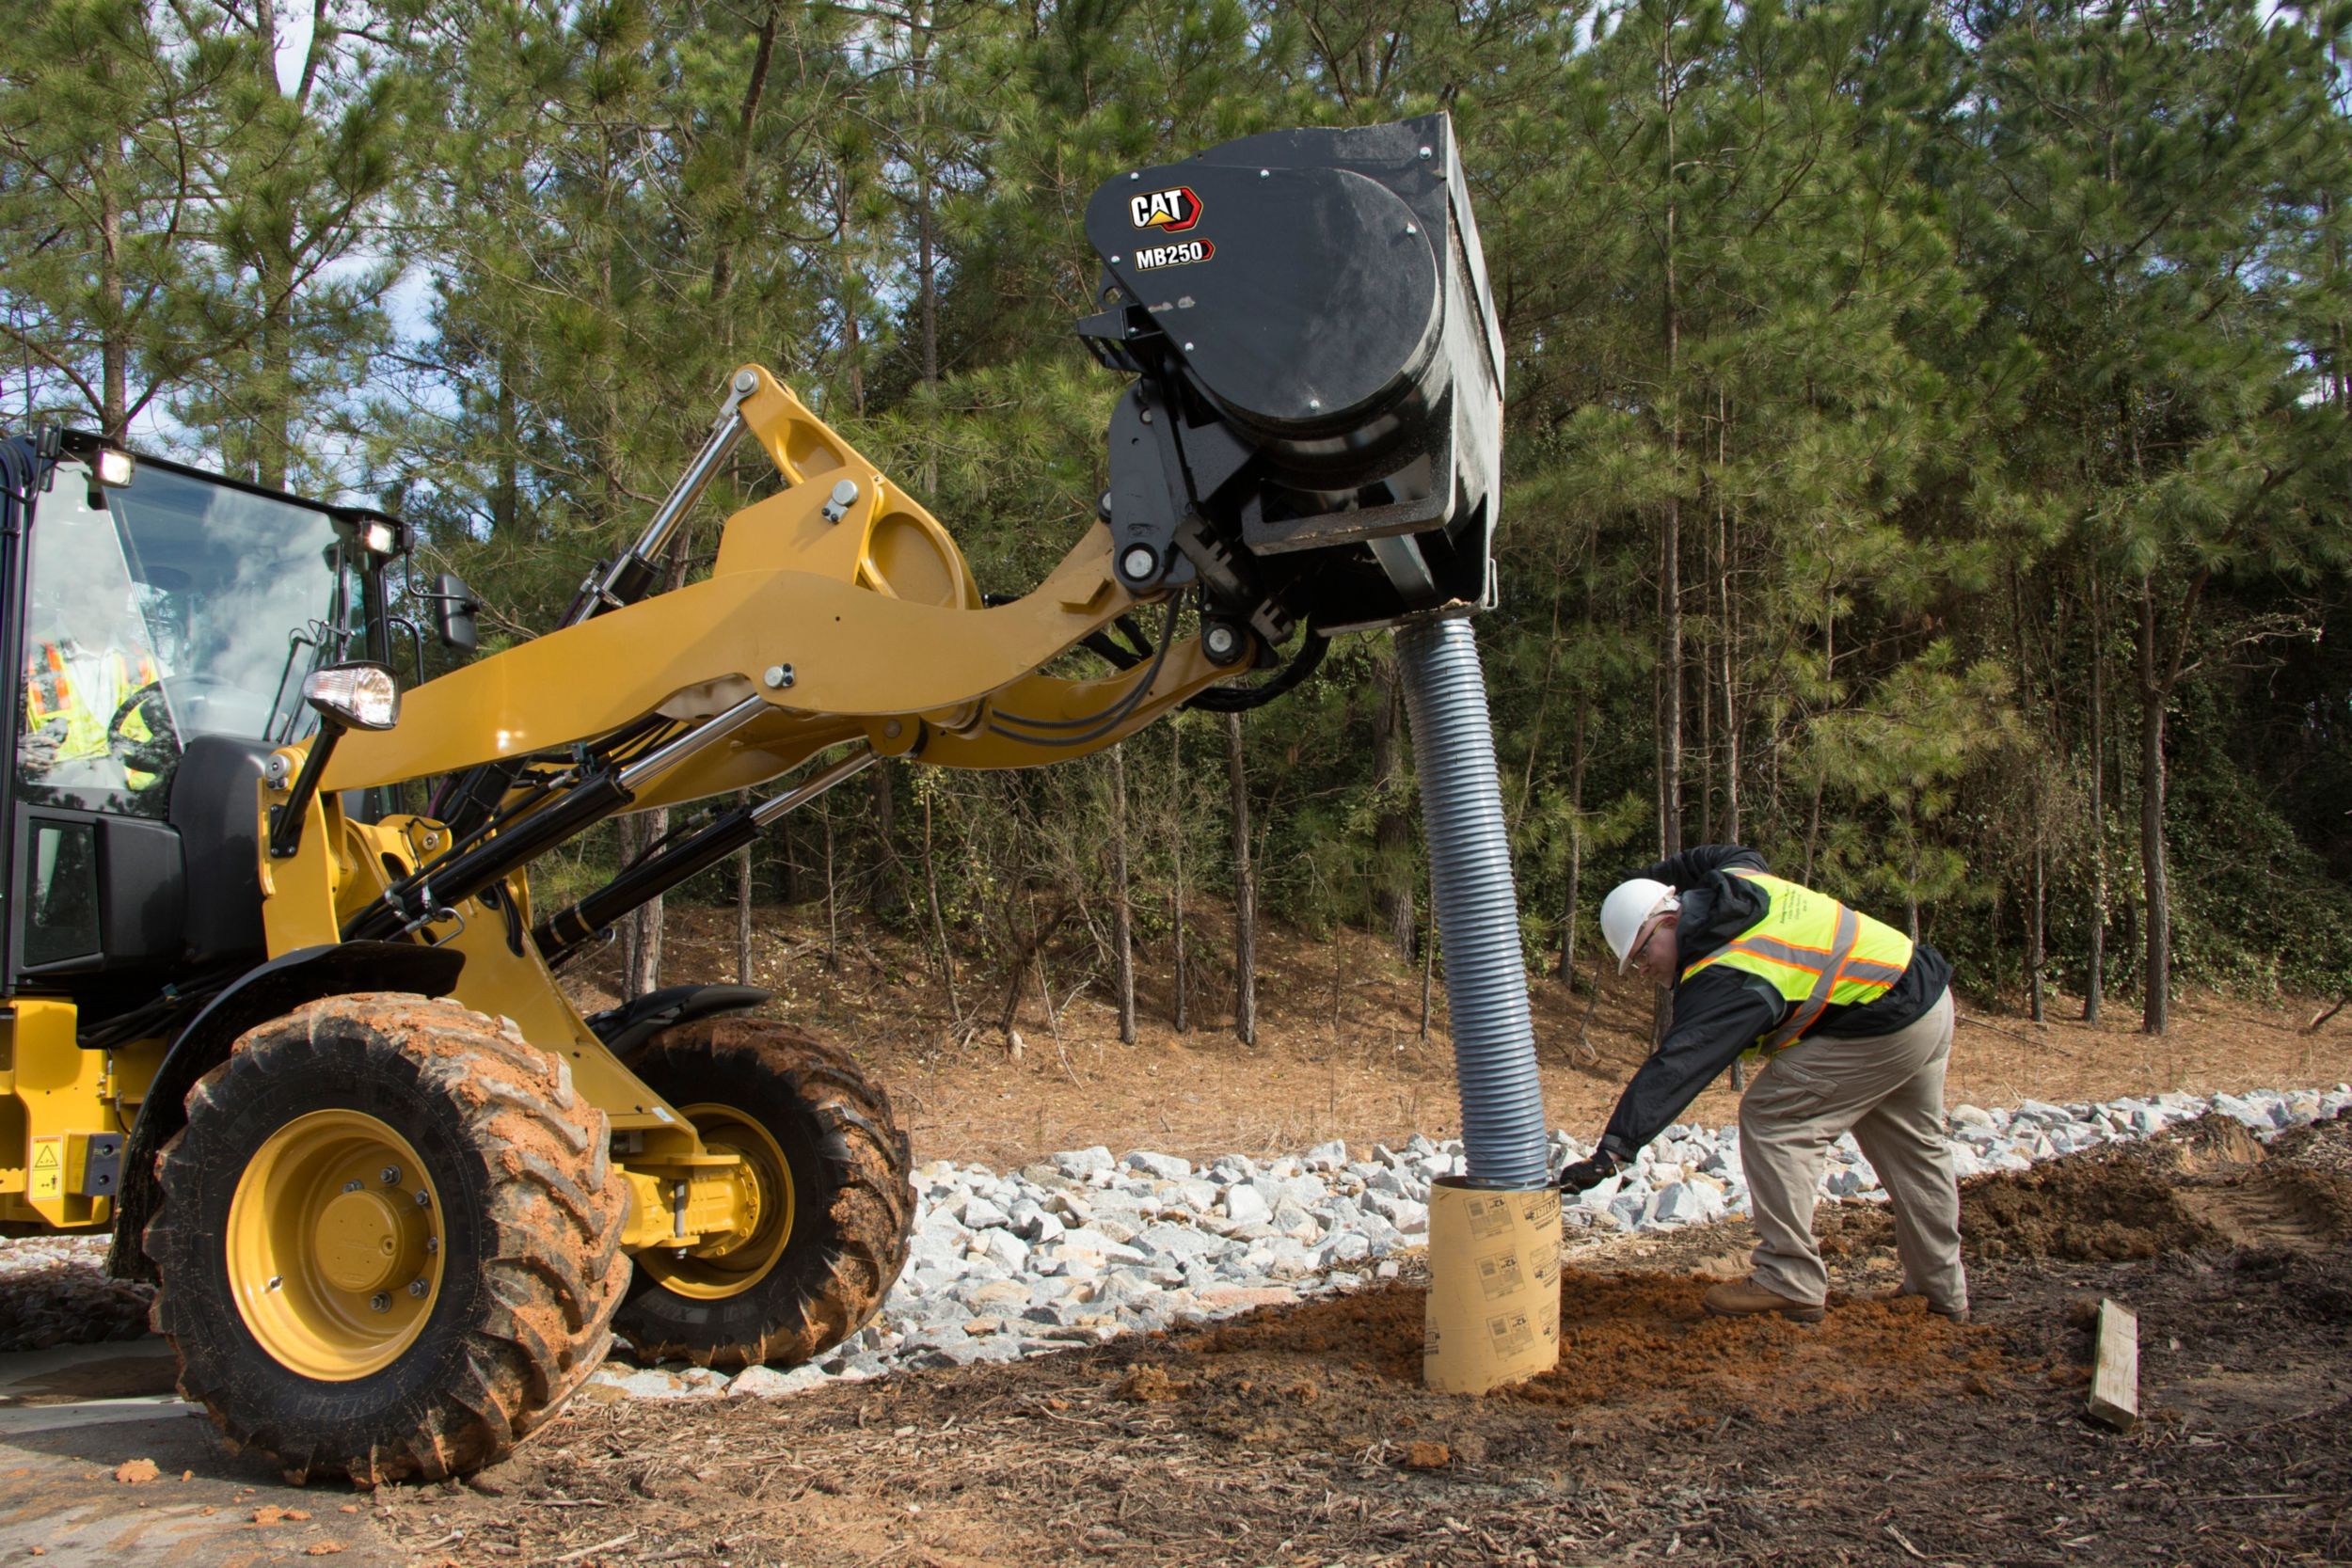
(358, 696)
(372, 531)
(109, 466)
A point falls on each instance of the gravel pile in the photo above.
(1085, 1246)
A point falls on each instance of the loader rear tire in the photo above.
(783, 1297)
(388, 1240)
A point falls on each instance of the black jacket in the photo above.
(1721, 1010)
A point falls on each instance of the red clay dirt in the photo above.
(1302, 1435)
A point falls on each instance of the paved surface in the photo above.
(71, 1416)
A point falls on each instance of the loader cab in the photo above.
(160, 621)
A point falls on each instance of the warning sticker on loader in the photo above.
(47, 1176)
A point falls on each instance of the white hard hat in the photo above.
(1628, 912)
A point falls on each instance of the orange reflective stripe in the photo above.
(1809, 1011)
(1851, 959)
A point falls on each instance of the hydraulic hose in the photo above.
(1477, 908)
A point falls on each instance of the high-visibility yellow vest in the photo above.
(1813, 951)
(52, 693)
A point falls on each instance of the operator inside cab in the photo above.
(91, 672)
(1853, 1022)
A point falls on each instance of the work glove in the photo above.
(36, 749)
(1587, 1174)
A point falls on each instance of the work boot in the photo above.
(1745, 1298)
(1950, 1314)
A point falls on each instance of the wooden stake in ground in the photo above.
(2115, 1367)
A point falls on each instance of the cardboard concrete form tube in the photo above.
(1493, 1313)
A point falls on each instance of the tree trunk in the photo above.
(114, 350)
(890, 894)
(744, 871)
(1179, 1000)
(644, 958)
(938, 921)
(1245, 891)
(1392, 833)
(1577, 758)
(1428, 969)
(1728, 627)
(1670, 530)
(645, 950)
(506, 488)
(1829, 684)
(2037, 954)
(2095, 973)
(2156, 982)
(1122, 924)
(832, 895)
(747, 119)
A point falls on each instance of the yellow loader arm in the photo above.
(842, 606)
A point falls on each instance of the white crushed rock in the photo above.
(1144, 1240)
(1083, 1246)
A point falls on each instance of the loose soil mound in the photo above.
(1302, 1435)
(2209, 1187)
(1629, 1342)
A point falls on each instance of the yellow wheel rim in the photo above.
(335, 1251)
(734, 1262)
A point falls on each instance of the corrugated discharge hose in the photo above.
(1477, 907)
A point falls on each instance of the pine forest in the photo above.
(1926, 446)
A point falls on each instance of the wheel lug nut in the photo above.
(381, 1301)
(416, 1289)
(425, 1199)
(390, 1175)
(432, 1244)
(351, 1186)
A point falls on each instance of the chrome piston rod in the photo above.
(624, 579)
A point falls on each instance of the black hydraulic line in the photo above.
(451, 880)
(1096, 725)
(1241, 699)
(1119, 657)
(562, 935)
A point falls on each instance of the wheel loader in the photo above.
(280, 1008)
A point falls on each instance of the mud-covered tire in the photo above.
(852, 1203)
(529, 1212)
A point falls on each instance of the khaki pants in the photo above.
(1888, 1091)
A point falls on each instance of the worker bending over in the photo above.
(1854, 1022)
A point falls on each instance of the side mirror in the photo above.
(453, 607)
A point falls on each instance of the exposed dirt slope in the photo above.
(1340, 1051)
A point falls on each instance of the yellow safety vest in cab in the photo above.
(1815, 952)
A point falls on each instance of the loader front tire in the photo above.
(388, 1240)
(836, 1206)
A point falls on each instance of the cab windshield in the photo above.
(163, 609)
